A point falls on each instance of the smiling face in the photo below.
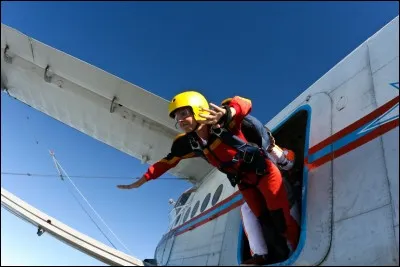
(184, 117)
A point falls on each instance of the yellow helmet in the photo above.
(191, 99)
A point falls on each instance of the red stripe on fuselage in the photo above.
(354, 126)
(222, 212)
(353, 145)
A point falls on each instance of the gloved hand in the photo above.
(289, 160)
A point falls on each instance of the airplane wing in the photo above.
(91, 100)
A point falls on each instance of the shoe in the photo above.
(256, 260)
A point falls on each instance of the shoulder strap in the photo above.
(246, 151)
(228, 137)
(196, 147)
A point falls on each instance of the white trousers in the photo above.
(253, 230)
(251, 225)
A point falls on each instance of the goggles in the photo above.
(183, 113)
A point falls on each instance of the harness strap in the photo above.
(196, 147)
(250, 156)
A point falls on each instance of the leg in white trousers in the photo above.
(253, 231)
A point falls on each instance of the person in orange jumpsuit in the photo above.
(264, 242)
(215, 135)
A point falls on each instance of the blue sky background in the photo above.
(269, 52)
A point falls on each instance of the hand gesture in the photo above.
(215, 114)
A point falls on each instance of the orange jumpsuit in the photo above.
(258, 191)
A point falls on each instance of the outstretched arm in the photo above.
(136, 184)
(180, 150)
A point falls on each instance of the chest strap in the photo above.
(249, 156)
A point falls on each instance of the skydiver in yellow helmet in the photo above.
(214, 133)
(257, 133)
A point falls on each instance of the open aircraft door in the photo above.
(311, 122)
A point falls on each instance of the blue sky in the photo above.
(269, 52)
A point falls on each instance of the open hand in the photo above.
(132, 185)
(215, 114)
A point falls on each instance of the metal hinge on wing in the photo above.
(144, 159)
(112, 107)
(7, 57)
(5, 89)
(47, 74)
(40, 230)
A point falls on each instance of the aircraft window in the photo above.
(194, 210)
(177, 220)
(186, 215)
(183, 199)
(205, 202)
(217, 195)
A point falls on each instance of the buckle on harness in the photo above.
(248, 158)
(217, 131)
(193, 143)
(234, 179)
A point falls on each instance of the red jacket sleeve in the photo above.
(161, 167)
(242, 107)
(180, 150)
